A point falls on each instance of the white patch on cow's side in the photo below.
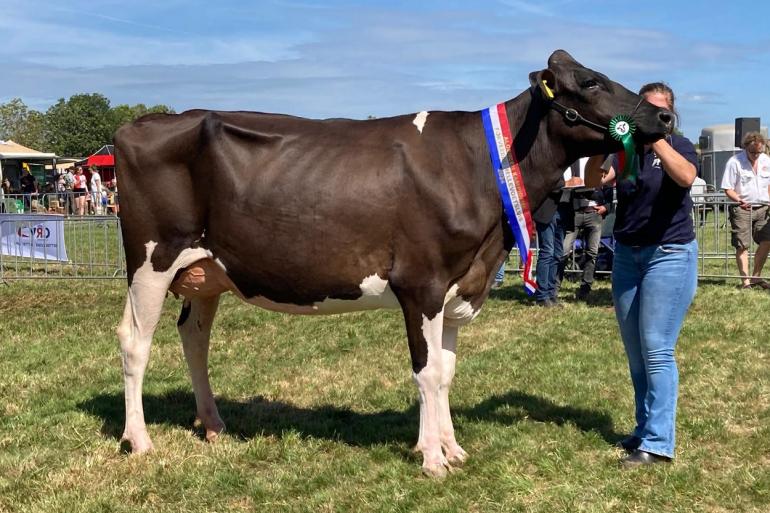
(373, 285)
(457, 311)
(375, 293)
(419, 120)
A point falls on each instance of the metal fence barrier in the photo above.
(77, 247)
(60, 203)
(95, 248)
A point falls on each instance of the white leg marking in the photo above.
(455, 454)
(428, 382)
(140, 317)
(419, 120)
(195, 333)
(135, 347)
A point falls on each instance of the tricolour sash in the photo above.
(510, 185)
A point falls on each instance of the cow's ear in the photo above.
(545, 82)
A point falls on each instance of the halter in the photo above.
(572, 116)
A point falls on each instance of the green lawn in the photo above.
(322, 414)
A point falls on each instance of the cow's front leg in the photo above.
(194, 327)
(424, 334)
(455, 454)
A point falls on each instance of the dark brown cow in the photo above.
(325, 216)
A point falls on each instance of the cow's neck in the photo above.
(541, 154)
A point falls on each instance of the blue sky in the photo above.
(340, 58)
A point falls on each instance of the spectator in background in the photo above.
(589, 208)
(550, 237)
(5, 188)
(29, 186)
(746, 181)
(79, 191)
(96, 189)
(69, 182)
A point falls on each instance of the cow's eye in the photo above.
(589, 84)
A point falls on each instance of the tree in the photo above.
(32, 134)
(122, 114)
(74, 128)
(80, 125)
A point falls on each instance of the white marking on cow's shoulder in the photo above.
(457, 311)
(419, 120)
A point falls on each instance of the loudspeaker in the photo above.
(743, 126)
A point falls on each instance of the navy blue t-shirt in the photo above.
(655, 210)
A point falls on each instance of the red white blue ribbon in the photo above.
(510, 185)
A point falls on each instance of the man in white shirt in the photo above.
(96, 190)
(588, 206)
(746, 181)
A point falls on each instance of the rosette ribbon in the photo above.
(622, 129)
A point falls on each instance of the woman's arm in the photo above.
(680, 170)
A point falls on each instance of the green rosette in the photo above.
(622, 129)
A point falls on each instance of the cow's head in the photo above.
(570, 88)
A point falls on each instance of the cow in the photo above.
(327, 216)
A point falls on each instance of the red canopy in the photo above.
(104, 157)
(101, 161)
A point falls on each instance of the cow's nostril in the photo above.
(666, 117)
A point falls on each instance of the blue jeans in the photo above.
(652, 287)
(500, 274)
(550, 237)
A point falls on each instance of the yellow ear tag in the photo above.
(547, 90)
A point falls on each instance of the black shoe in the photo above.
(640, 458)
(582, 292)
(630, 443)
(545, 303)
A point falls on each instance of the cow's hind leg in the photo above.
(140, 317)
(194, 327)
(455, 454)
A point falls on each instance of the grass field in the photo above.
(322, 414)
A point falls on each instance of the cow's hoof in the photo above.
(436, 470)
(213, 433)
(457, 458)
(140, 444)
(213, 428)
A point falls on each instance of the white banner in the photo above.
(33, 236)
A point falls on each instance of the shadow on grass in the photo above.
(259, 416)
(516, 406)
(601, 297)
